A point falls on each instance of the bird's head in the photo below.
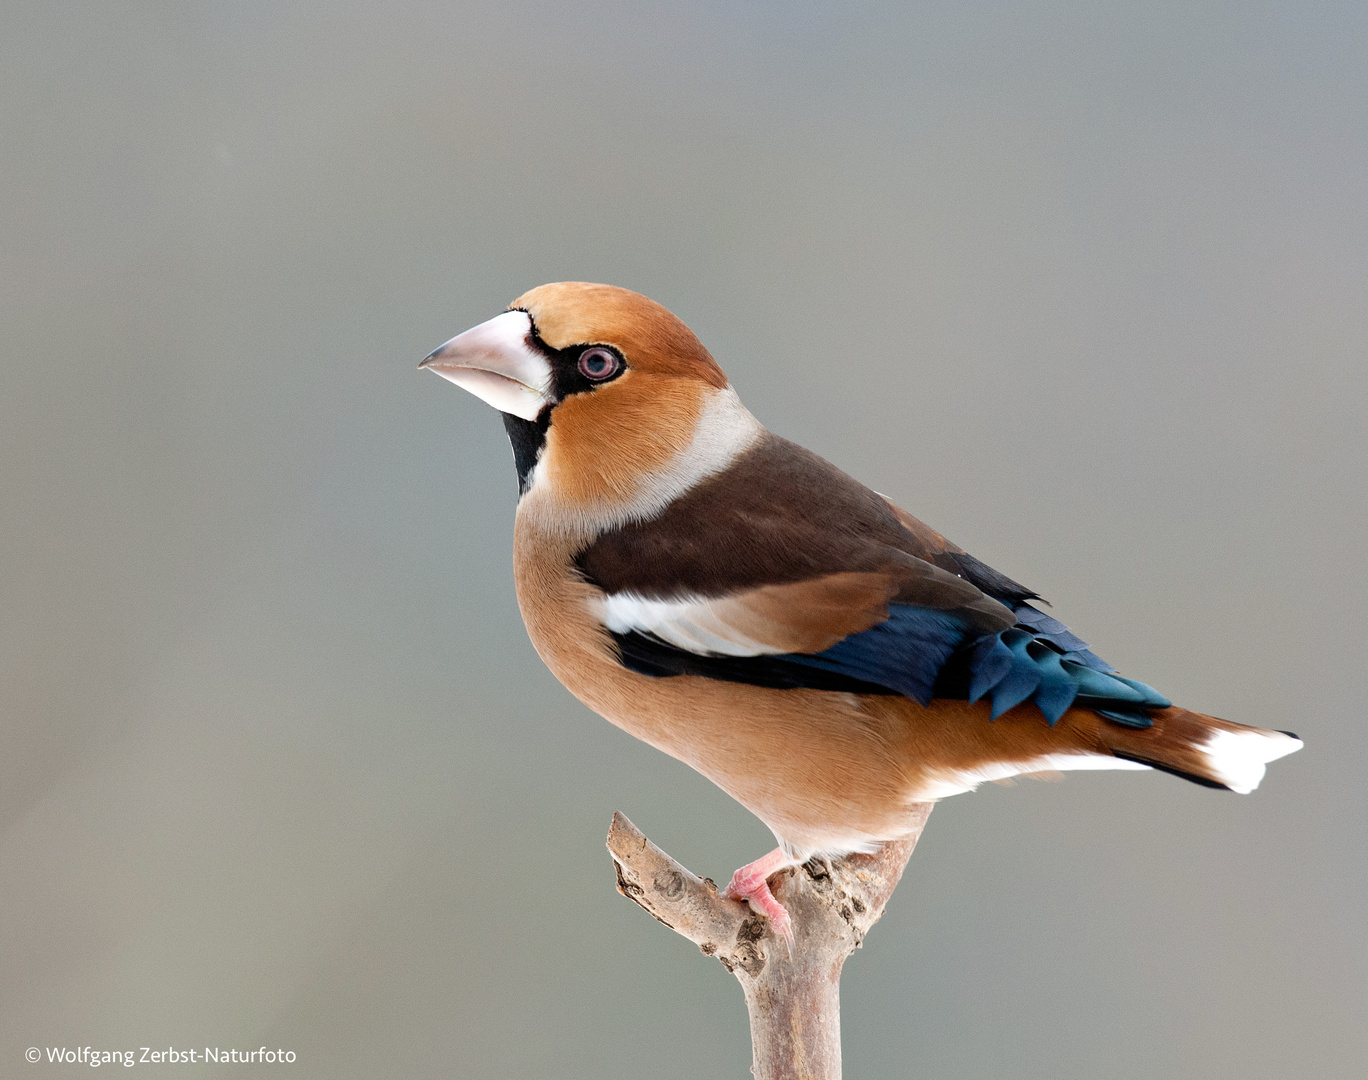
(612, 404)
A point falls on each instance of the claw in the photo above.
(751, 884)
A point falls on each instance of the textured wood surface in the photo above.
(793, 999)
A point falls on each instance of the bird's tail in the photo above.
(1203, 749)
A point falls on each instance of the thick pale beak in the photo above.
(496, 362)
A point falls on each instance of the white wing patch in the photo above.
(690, 623)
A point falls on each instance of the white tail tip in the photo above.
(1237, 758)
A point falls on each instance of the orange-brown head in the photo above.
(612, 404)
(566, 314)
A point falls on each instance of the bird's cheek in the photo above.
(605, 447)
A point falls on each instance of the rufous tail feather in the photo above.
(1203, 749)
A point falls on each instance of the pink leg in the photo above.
(751, 884)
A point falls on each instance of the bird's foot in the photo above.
(751, 884)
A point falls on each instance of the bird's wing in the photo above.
(783, 571)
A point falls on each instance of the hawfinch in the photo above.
(746, 607)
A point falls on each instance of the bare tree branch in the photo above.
(794, 1001)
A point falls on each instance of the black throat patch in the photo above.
(528, 437)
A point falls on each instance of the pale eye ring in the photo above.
(597, 363)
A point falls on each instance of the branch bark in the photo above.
(793, 1001)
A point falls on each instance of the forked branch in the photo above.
(794, 1001)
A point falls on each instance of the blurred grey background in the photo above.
(1084, 288)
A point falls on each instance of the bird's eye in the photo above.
(599, 363)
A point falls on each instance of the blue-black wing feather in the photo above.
(924, 654)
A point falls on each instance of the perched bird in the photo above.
(746, 607)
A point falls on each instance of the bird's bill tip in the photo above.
(497, 362)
